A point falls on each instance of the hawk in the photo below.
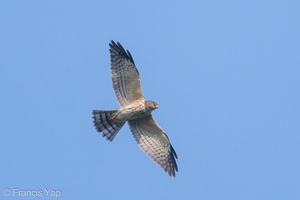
(135, 110)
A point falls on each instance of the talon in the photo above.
(112, 118)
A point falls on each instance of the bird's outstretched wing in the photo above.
(154, 141)
(125, 76)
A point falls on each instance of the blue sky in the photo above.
(225, 74)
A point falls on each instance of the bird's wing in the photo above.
(154, 141)
(125, 76)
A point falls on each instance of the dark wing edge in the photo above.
(155, 143)
(119, 48)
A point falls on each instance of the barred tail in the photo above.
(103, 124)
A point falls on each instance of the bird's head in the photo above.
(151, 105)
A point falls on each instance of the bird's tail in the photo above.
(103, 123)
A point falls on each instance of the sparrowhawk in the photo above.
(135, 110)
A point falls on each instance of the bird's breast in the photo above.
(132, 111)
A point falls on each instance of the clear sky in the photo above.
(226, 75)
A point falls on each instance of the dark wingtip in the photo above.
(173, 159)
(112, 42)
(120, 49)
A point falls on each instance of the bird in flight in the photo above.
(135, 110)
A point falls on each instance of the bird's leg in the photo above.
(112, 118)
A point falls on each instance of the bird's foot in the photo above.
(112, 118)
